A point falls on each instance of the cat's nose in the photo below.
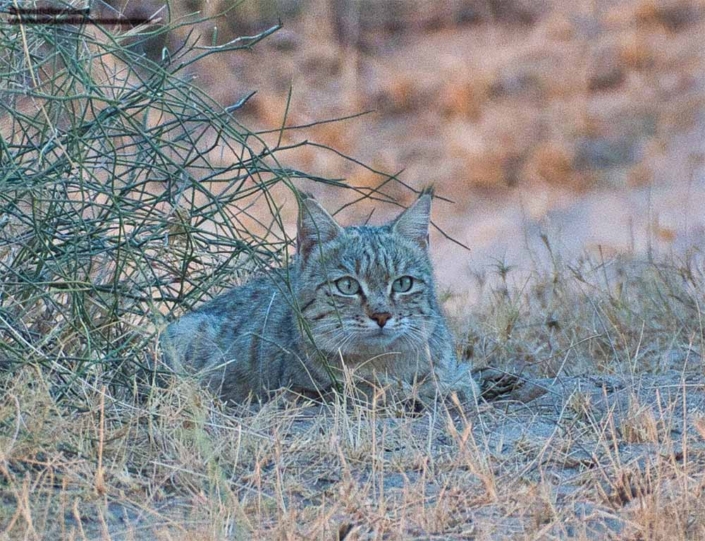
(381, 318)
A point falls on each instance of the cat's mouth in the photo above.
(370, 341)
(380, 332)
(379, 338)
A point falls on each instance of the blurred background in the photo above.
(576, 125)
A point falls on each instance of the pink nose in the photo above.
(381, 318)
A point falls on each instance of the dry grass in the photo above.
(607, 443)
(619, 315)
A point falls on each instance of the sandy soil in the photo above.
(594, 457)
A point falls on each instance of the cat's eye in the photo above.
(403, 284)
(347, 285)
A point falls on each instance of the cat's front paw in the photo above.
(460, 382)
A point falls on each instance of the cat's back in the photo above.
(260, 297)
(232, 324)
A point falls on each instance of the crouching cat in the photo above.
(360, 299)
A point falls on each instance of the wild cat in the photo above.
(357, 298)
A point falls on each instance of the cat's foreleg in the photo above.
(447, 379)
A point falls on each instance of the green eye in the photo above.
(347, 286)
(403, 284)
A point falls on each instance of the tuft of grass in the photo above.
(126, 194)
(615, 315)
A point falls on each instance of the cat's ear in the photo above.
(315, 226)
(413, 222)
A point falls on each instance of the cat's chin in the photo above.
(376, 343)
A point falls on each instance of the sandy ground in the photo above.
(663, 218)
(594, 457)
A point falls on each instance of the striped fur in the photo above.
(300, 327)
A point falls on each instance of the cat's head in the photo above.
(367, 290)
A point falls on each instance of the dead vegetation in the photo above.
(607, 442)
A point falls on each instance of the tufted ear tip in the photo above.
(414, 222)
(315, 225)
